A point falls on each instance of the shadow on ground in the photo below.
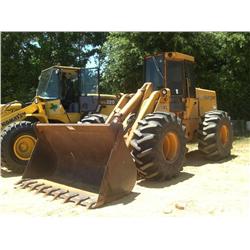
(196, 159)
(124, 200)
(193, 159)
(8, 173)
(180, 178)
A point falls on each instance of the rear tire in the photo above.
(17, 143)
(159, 146)
(215, 135)
(94, 118)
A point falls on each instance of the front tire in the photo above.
(94, 118)
(159, 146)
(215, 135)
(17, 143)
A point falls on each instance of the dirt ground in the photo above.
(202, 188)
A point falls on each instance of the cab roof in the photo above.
(175, 56)
(68, 68)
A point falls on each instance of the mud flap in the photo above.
(92, 159)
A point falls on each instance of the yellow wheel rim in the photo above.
(24, 146)
(170, 146)
(224, 134)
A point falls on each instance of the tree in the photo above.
(222, 58)
(24, 55)
(223, 61)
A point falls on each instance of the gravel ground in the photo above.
(202, 188)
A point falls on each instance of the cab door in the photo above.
(190, 79)
(89, 87)
(190, 117)
(175, 81)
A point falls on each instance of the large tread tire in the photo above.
(211, 142)
(148, 150)
(94, 118)
(9, 135)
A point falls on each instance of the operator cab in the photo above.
(76, 88)
(89, 89)
(174, 71)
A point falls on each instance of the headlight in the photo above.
(164, 91)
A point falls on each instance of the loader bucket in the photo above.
(87, 164)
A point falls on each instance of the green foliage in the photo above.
(223, 61)
(24, 55)
(234, 80)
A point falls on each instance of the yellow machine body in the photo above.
(194, 107)
(64, 95)
(93, 163)
(45, 110)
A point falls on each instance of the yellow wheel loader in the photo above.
(64, 95)
(144, 137)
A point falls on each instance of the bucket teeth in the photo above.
(51, 191)
(34, 187)
(40, 187)
(28, 183)
(59, 194)
(21, 181)
(89, 203)
(81, 198)
(70, 196)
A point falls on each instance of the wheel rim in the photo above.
(24, 146)
(170, 146)
(224, 134)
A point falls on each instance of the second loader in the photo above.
(144, 137)
(64, 95)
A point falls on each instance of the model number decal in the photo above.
(15, 118)
(108, 102)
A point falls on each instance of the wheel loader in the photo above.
(64, 95)
(145, 137)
